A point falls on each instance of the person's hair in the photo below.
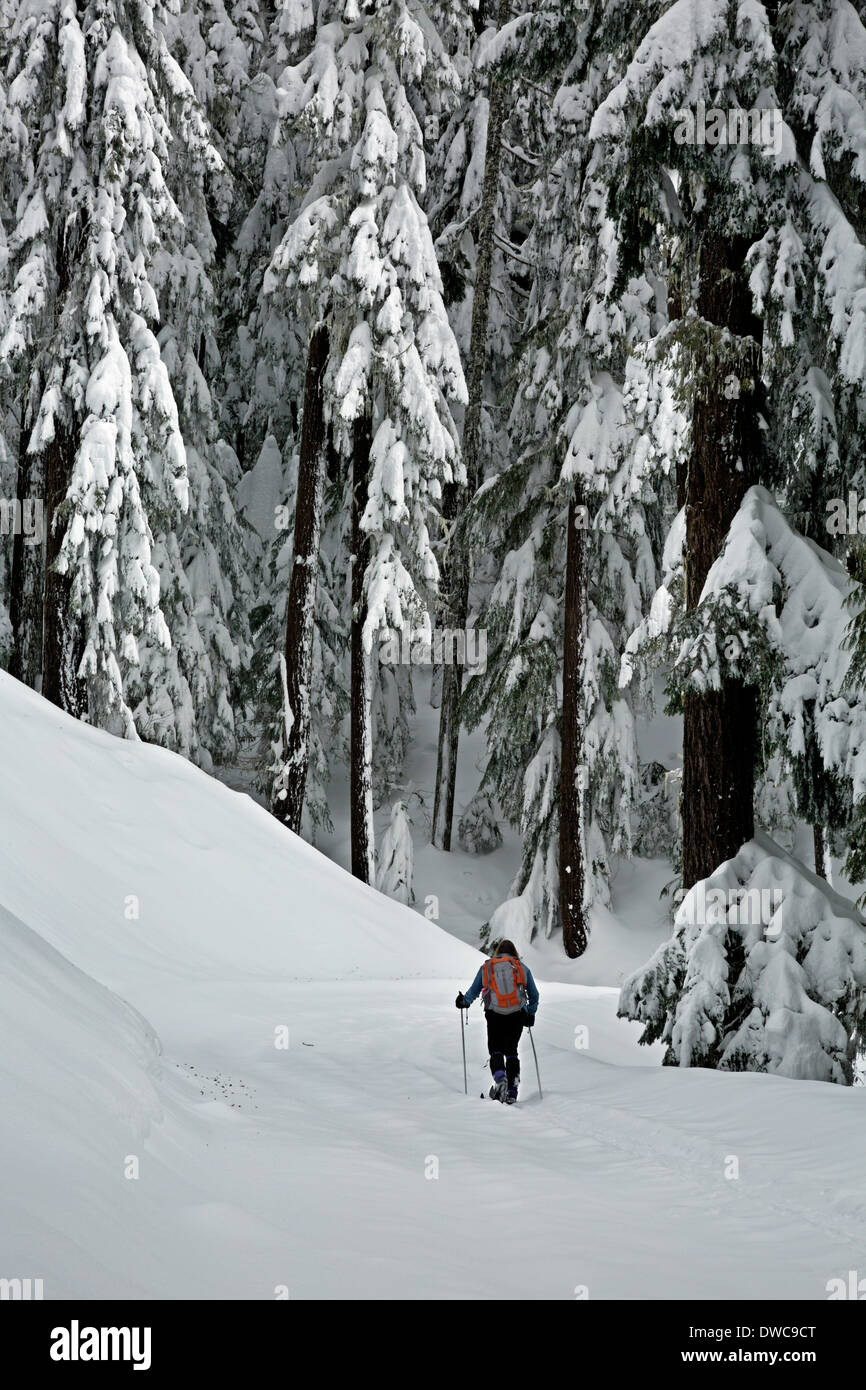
(505, 948)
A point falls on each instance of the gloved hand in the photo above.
(459, 1002)
(528, 1019)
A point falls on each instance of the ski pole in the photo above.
(537, 1072)
(463, 1041)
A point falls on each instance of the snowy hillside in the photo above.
(188, 881)
(215, 1162)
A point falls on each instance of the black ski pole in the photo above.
(537, 1072)
(463, 1041)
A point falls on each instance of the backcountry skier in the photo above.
(510, 998)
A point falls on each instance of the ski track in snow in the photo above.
(410, 1111)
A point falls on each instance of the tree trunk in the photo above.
(572, 776)
(455, 574)
(361, 733)
(451, 686)
(719, 735)
(300, 613)
(62, 640)
(62, 644)
(25, 588)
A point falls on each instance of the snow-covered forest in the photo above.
(443, 424)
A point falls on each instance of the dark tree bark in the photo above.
(62, 644)
(18, 577)
(300, 612)
(62, 641)
(25, 588)
(572, 772)
(360, 716)
(720, 727)
(456, 569)
(450, 690)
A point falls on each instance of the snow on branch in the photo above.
(494, 45)
(774, 610)
(765, 971)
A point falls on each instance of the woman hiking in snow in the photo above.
(510, 999)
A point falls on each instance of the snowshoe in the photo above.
(500, 1085)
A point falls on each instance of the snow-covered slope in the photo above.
(348, 1163)
(83, 1090)
(138, 865)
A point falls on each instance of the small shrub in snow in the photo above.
(657, 828)
(765, 971)
(397, 856)
(478, 830)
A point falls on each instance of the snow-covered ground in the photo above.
(161, 937)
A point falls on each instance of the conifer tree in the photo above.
(98, 119)
(360, 250)
(576, 557)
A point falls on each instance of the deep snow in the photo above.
(311, 1168)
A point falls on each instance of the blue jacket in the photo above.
(475, 988)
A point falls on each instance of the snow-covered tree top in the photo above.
(359, 255)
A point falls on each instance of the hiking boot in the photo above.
(499, 1087)
(511, 1094)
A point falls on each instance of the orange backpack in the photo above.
(504, 984)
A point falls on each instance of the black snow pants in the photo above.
(503, 1035)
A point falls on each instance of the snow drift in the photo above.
(80, 1087)
(134, 863)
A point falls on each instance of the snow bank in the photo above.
(139, 867)
(79, 1073)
